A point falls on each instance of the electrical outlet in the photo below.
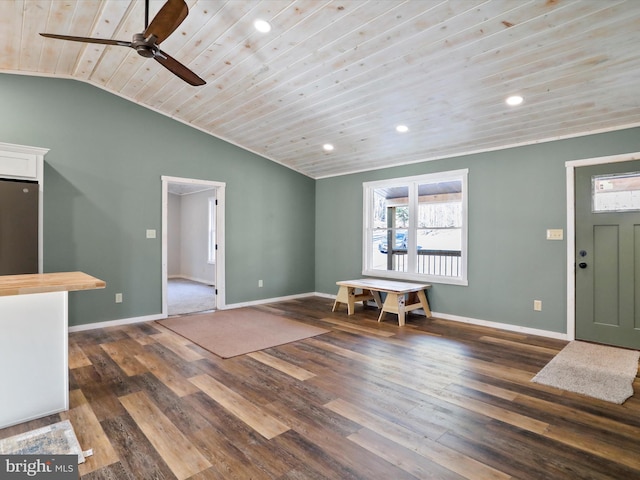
(118, 298)
(260, 284)
(537, 305)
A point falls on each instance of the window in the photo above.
(415, 228)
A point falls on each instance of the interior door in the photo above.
(608, 254)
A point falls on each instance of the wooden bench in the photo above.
(401, 297)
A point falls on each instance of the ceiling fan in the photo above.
(146, 43)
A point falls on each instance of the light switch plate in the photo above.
(151, 233)
(555, 234)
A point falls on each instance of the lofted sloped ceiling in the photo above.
(348, 72)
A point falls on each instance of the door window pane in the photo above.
(616, 193)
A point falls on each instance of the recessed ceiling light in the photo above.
(262, 26)
(402, 129)
(514, 100)
(327, 147)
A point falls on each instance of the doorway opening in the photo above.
(192, 245)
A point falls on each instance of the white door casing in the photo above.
(220, 254)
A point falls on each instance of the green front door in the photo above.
(608, 254)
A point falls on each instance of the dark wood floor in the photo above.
(432, 400)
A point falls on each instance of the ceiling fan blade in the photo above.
(178, 69)
(102, 41)
(170, 16)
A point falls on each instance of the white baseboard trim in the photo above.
(443, 316)
(502, 326)
(267, 300)
(115, 323)
(483, 323)
(193, 279)
(159, 316)
(324, 295)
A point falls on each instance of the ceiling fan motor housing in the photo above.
(145, 47)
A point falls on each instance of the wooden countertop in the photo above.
(48, 282)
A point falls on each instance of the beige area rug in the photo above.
(599, 371)
(235, 332)
(56, 439)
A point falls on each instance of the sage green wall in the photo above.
(102, 190)
(515, 195)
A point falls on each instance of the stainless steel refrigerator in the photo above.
(18, 227)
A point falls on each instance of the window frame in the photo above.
(412, 183)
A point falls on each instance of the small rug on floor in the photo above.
(230, 333)
(598, 371)
(56, 439)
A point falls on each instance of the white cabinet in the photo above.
(13, 164)
(19, 161)
(34, 371)
(33, 365)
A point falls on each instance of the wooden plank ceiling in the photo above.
(347, 72)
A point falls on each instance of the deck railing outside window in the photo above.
(431, 262)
